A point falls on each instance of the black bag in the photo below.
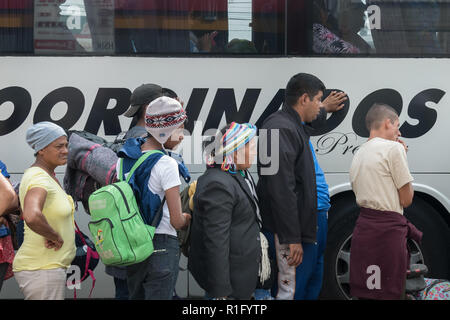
(184, 236)
(86, 257)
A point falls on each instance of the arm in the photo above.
(178, 219)
(8, 197)
(333, 103)
(36, 221)
(406, 194)
(280, 186)
(401, 175)
(283, 197)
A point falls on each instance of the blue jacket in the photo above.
(323, 195)
(3, 170)
(148, 202)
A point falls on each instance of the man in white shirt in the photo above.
(382, 184)
(379, 172)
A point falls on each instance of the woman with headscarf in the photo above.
(225, 252)
(49, 241)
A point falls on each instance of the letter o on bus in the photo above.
(21, 100)
(75, 105)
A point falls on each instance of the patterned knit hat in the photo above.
(236, 137)
(162, 117)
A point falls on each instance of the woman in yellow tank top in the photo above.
(49, 239)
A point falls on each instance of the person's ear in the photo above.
(303, 99)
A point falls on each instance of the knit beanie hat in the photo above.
(236, 137)
(162, 117)
(42, 134)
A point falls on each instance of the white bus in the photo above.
(76, 63)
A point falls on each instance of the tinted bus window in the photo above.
(399, 28)
(380, 27)
(109, 27)
(16, 26)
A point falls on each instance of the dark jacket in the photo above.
(288, 198)
(225, 245)
(379, 239)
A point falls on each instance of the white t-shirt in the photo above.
(164, 176)
(379, 169)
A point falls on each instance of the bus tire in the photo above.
(434, 249)
(342, 218)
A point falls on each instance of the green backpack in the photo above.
(121, 236)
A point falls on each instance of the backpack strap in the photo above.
(159, 213)
(89, 254)
(136, 164)
(145, 156)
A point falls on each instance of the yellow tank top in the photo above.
(58, 210)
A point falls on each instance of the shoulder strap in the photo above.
(159, 213)
(136, 164)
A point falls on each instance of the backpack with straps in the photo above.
(121, 236)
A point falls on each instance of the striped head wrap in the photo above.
(236, 137)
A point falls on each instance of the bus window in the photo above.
(269, 26)
(142, 27)
(412, 27)
(16, 26)
(200, 27)
(399, 28)
(337, 27)
(145, 27)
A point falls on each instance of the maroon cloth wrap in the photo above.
(379, 239)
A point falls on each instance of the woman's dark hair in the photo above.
(214, 142)
(300, 84)
(318, 9)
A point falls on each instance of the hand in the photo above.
(57, 244)
(295, 254)
(187, 219)
(205, 43)
(335, 101)
(403, 144)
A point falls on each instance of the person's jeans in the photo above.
(121, 289)
(155, 277)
